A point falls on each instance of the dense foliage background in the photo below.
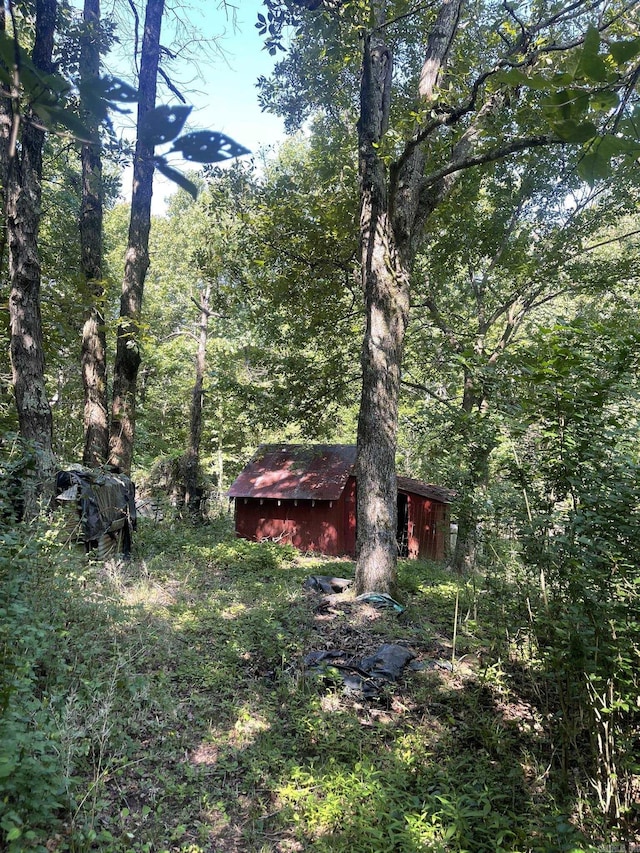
(162, 704)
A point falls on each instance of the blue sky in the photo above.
(219, 82)
(227, 100)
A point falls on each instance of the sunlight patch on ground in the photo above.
(185, 620)
(205, 753)
(248, 725)
(149, 594)
(331, 702)
(233, 611)
(367, 613)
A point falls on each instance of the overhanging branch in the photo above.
(414, 386)
(513, 147)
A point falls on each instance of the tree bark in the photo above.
(474, 403)
(94, 342)
(24, 193)
(5, 137)
(386, 295)
(192, 456)
(127, 361)
(392, 216)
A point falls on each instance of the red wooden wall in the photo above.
(329, 527)
(305, 524)
(428, 528)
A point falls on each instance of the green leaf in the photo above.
(176, 176)
(163, 124)
(605, 100)
(99, 94)
(591, 42)
(6, 769)
(562, 78)
(566, 104)
(611, 146)
(44, 88)
(590, 64)
(8, 52)
(623, 51)
(208, 146)
(541, 83)
(7, 49)
(571, 131)
(594, 167)
(630, 129)
(513, 77)
(633, 122)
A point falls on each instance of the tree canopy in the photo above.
(442, 90)
(440, 265)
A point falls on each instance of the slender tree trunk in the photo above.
(474, 403)
(127, 361)
(24, 193)
(94, 341)
(192, 456)
(220, 498)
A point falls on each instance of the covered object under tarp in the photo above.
(102, 507)
(305, 495)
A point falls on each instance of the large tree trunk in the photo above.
(192, 456)
(24, 193)
(94, 341)
(5, 137)
(393, 212)
(127, 362)
(386, 294)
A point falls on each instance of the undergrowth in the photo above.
(162, 705)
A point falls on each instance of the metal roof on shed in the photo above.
(311, 472)
(417, 487)
(296, 471)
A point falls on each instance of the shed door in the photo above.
(402, 533)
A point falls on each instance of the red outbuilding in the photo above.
(305, 495)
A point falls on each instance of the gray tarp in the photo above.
(362, 675)
(329, 585)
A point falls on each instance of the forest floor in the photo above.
(187, 720)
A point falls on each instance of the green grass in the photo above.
(162, 705)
